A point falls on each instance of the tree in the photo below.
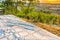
(9, 7)
(30, 5)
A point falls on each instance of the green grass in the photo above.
(52, 19)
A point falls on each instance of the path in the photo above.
(13, 28)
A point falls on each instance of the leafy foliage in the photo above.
(29, 12)
(42, 17)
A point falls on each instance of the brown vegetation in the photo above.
(51, 28)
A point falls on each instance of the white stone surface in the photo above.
(13, 28)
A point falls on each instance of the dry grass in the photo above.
(53, 29)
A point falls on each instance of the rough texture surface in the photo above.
(13, 28)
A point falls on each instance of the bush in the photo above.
(41, 17)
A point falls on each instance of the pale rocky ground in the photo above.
(13, 28)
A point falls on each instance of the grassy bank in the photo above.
(52, 19)
(51, 28)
